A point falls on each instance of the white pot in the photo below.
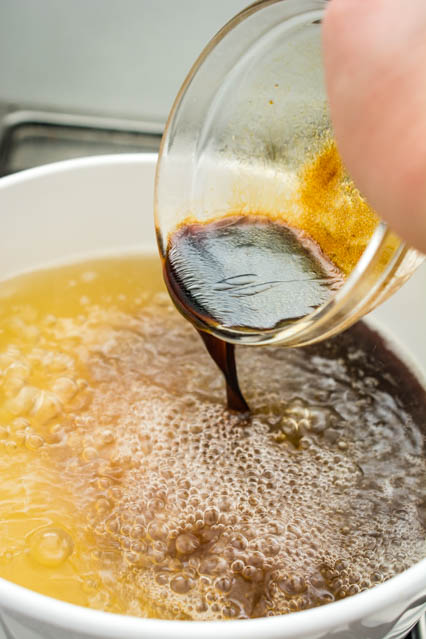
(97, 205)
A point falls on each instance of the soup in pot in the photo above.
(126, 485)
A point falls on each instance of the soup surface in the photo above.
(126, 485)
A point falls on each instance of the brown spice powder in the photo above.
(333, 211)
(320, 199)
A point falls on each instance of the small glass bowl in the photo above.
(251, 114)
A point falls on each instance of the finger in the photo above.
(375, 66)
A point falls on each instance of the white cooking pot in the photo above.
(101, 205)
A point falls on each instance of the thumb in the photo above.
(375, 67)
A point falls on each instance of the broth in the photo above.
(127, 486)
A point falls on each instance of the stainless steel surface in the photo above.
(31, 138)
(421, 628)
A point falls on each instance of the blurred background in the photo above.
(95, 76)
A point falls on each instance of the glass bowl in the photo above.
(250, 132)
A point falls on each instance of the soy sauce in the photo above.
(249, 273)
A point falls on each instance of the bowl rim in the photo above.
(76, 164)
(397, 591)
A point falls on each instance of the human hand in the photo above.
(375, 66)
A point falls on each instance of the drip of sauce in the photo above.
(223, 354)
(248, 273)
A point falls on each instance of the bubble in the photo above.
(34, 441)
(239, 542)
(89, 453)
(22, 403)
(269, 546)
(10, 446)
(103, 505)
(107, 437)
(157, 530)
(89, 276)
(231, 610)
(181, 584)
(65, 388)
(162, 578)
(51, 547)
(237, 566)
(293, 585)
(187, 543)
(213, 565)
(46, 406)
(251, 573)
(224, 584)
(17, 369)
